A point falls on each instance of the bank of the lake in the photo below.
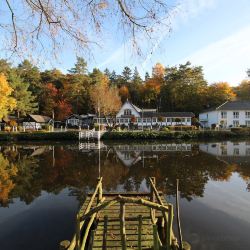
(129, 135)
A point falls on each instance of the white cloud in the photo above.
(226, 59)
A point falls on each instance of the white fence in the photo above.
(90, 134)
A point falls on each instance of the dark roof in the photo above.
(235, 105)
(231, 105)
(40, 118)
(167, 114)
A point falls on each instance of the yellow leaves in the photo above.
(7, 103)
(7, 171)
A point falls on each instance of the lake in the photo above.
(43, 185)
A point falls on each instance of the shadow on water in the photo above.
(43, 185)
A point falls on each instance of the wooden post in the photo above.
(155, 234)
(122, 226)
(99, 190)
(178, 214)
(152, 211)
(64, 245)
(91, 240)
(169, 226)
(78, 232)
(105, 233)
(139, 231)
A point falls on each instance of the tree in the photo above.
(36, 25)
(30, 73)
(243, 90)
(219, 93)
(5, 67)
(80, 67)
(105, 99)
(147, 76)
(248, 72)
(158, 71)
(25, 101)
(124, 93)
(7, 103)
(126, 73)
(184, 89)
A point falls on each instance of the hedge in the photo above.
(38, 136)
(169, 135)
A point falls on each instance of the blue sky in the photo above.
(212, 33)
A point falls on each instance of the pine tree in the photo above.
(126, 73)
(147, 76)
(24, 98)
(80, 67)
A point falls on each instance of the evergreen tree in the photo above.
(107, 73)
(136, 79)
(30, 73)
(147, 76)
(5, 67)
(80, 67)
(126, 73)
(24, 99)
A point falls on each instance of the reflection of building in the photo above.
(229, 114)
(227, 148)
(131, 154)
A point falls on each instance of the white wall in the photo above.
(210, 118)
(127, 105)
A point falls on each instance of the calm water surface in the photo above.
(43, 185)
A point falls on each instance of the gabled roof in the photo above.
(231, 105)
(41, 118)
(135, 107)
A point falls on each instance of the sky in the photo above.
(214, 34)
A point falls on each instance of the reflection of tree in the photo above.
(25, 176)
(7, 171)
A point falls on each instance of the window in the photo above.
(144, 119)
(188, 119)
(223, 151)
(138, 119)
(236, 151)
(154, 120)
(247, 151)
(223, 115)
(236, 123)
(248, 123)
(248, 114)
(183, 120)
(148, 119)
(169, 120)
(121, 120)
(236, 115)
(127, 112)
(126, 120)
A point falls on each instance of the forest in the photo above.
(26, 89)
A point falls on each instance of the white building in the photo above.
(129, 113)
(229, 114)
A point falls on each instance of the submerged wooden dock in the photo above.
(128, 220)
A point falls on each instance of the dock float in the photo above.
(125, 221)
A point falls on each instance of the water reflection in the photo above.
(42, 186)
(26, 170)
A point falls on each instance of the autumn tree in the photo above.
(7, 103)
(105, 99)
(243, 90)
(219, 93)
(158, 71)
(124, 93)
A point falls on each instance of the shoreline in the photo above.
(126, 135)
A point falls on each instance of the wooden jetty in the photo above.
(125, 221)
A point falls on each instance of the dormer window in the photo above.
(127, 112)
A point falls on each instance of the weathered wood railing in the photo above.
(87, 219)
